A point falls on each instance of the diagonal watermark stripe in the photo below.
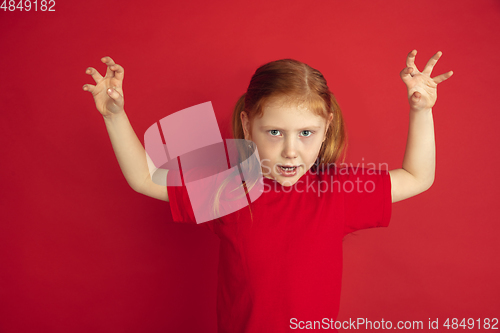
(212, 172)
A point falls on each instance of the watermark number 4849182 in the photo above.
(28, 5)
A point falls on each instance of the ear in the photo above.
(245, 123)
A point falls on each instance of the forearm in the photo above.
(128, 149)
(420, 154)
(419, 163)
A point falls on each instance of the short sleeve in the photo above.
(180, 206)
(367, 198)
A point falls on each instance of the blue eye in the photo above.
(307, 133)
(274, 132)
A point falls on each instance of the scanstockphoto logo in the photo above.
(328, 179)
(328, 184)
(217, 173)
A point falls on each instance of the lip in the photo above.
(288, 174)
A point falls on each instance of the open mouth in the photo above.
(288, 169)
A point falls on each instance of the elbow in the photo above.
(136, 188)
(426, 184)
(139, 185)
(422, 182)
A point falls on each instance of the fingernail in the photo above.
(110, 91)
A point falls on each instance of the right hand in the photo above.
(108, 93)
(422, 89)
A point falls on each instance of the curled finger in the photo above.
(88, 87)
(95, 74)
(109, 62)
(406, 74)
(118, 70)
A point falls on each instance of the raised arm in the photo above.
(131, 156)
(419, 163)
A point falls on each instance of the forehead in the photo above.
(290, 115)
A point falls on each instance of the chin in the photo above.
(287, 181)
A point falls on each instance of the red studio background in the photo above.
(80, 251)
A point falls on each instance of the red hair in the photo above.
(296, 83)
(293, 82)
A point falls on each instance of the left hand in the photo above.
(422, 89)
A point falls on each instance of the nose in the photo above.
(289, 149)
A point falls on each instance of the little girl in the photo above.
(280, 263)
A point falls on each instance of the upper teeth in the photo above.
(288, 168)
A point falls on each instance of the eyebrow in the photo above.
(281, 129)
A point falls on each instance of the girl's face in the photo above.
(288, 140)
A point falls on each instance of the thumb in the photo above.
(415, 97)
(115, 95)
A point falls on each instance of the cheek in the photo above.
(312, 148)
(264, 146)
(265, 153)
(312, 142)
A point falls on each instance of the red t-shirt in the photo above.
(287, 262)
